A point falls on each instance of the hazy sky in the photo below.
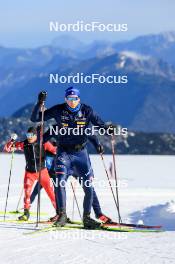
(25, 23)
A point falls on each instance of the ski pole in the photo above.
(110, 185)
(73, 206)
(19, 200)
(76, 201)
(115, 175)
(40, 163)
(8, 188)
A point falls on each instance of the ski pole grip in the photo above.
(42, 97)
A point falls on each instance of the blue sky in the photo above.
(25, 23)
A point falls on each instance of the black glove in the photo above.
(100, 149)
(111, 129)
(42, 97)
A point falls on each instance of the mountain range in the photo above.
(145, 103)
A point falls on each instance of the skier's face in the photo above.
(72, 101)
(31, 137)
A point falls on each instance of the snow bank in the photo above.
(161, 214)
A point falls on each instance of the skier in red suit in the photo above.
(31, 148)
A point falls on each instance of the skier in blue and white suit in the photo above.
(72, 151)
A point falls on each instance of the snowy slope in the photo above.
(147, 186)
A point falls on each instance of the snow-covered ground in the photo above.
(146, 190)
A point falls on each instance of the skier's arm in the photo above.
(96, 120)
(10, 145)
(94, 140)
(96, 143)
(48, 114)
(49, 147)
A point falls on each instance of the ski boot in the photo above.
(62, 219)
(90, 223)
(104, 219)
(25, 216)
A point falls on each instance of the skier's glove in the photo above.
(100, 149)
(111, 129)
(14, 137)
(42, 97)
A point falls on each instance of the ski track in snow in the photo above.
(151, 182)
